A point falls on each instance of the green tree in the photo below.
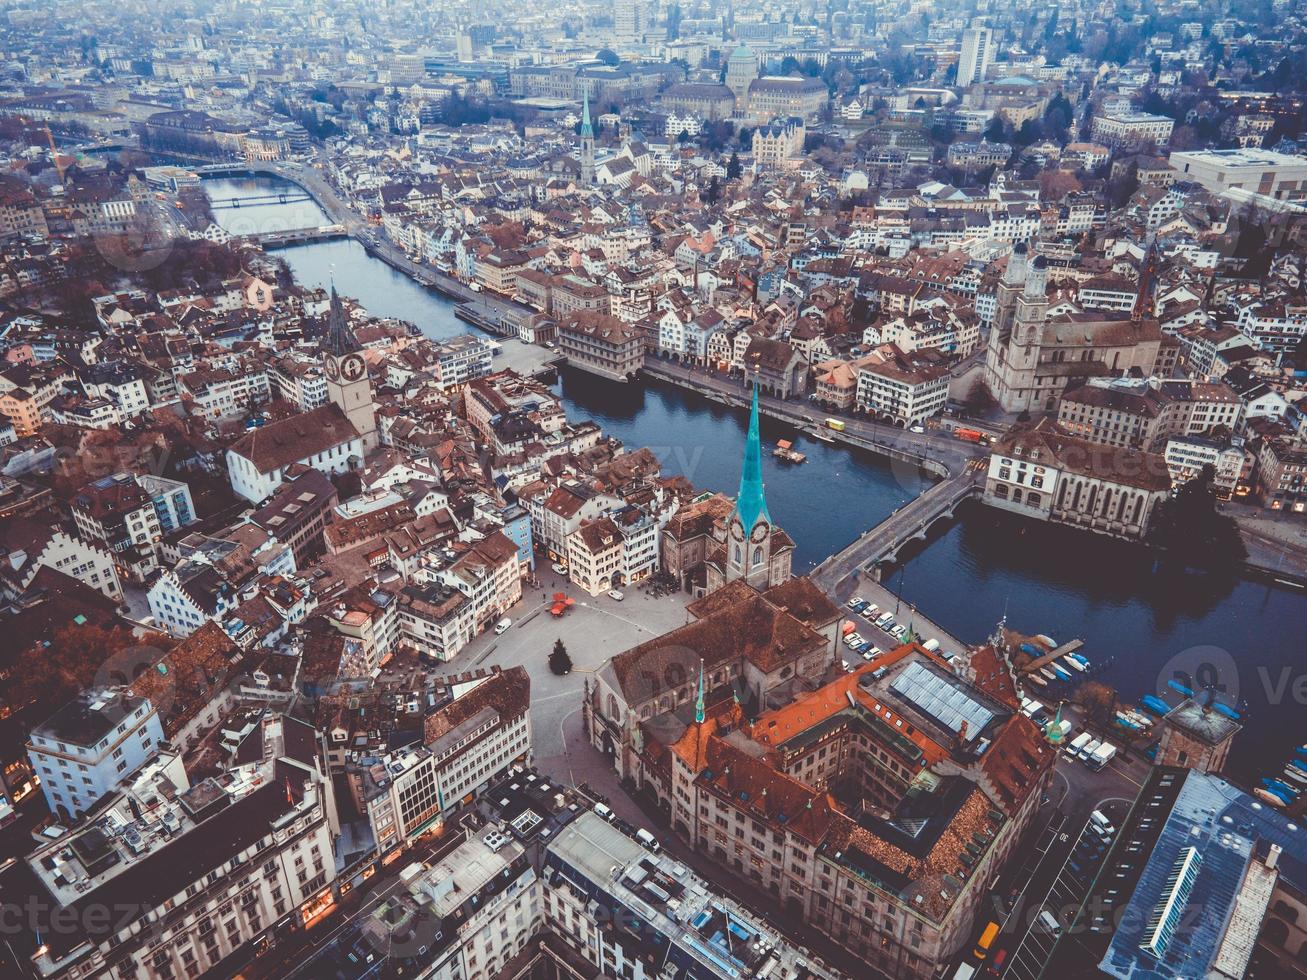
(559, 661)
(734, 168)
(1193, 532)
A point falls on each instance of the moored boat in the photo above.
(1071, 661)
(1180, 688)
(1297, 775)
(1038, 680)
(1154, 704)
(1267, 796)
(1062, 675)
(1226, 710)
(1283, 790)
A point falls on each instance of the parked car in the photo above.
(852, 639)
(502, 626)
(857, 603)
(615, 595)
(560, 568)
(899, 632)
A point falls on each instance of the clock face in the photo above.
(352, 368)
(331, 369)
(759, 531)
(737, 530)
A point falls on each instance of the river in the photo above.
(1139, 624)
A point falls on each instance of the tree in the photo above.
(713, 190)
(559, 661)
(1193, 533)
(979, 398)
(1098, 700)
(734, 168)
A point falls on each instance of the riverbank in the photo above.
(1136, 618)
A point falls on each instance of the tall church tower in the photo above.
(1016, 339)
(749, 531)
(347, 375)
(587, 144)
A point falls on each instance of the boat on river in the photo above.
(1078, 664)
(785, 451)
(1154, 704)
(1180, 688)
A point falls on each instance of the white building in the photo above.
(1280, 176)
(595, 876)
(901, 393)
(323, 439)
(90, 745)
(976, 56)
(207, 871)
(1122, 128)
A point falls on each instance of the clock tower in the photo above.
(749, 529)
(347, 375)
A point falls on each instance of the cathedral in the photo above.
(347, 375)
(1032, 358)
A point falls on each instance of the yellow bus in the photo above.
(836, 424)
(986, 940)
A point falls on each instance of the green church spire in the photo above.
(699, 709)
(586, 128)
(750, 504)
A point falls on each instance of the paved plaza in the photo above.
(592, 630)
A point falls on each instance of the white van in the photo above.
(648, 840)
(1049, 922)
(604, 812)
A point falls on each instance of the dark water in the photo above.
(1140, 624)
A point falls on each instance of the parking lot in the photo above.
(903, 616)
(1073, 871)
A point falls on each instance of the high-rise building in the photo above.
(977, 55)
(628, 19)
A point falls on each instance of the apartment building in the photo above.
(1145, 413)
(90, 745)
(629, 910)
(902, 389)
(115, 512)
(191, 874)
(478, 728)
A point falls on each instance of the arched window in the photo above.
(1033, 500)
(1000, 490)
(738, 559)
(1016, 496)
(757, 555)
(614, 712)
(1139, 506)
